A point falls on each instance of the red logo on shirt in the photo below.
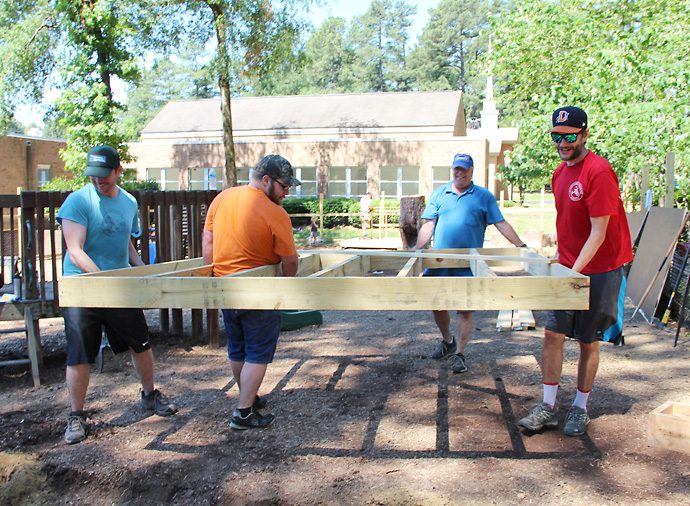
(576, 192)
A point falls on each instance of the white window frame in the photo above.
(165, 173)
(435, 183)
(399, 181)
(47, 172)
(349, 181)
(210, 175)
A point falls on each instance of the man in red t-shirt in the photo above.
(593, 239)
(247, 227)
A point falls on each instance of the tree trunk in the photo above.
(230, 173)
(411, 210)
(220, 20)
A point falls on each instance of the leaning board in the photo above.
(344, 280)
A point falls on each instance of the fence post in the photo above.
(670, 198)
(321, 215)
(644, 186)
(382, 214)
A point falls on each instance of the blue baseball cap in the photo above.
(463, 161)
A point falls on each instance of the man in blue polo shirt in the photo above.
(457, 216)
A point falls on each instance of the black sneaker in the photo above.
(253, 420)
(445, 349)
(158, 403)
(457, 363)
(259, 403)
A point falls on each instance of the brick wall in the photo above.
(20, 157)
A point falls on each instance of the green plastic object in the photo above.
(293, 320)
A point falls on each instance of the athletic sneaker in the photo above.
(158, 403)
(576, 422)
(541, 416)
(253, 420)
(445, 349)
(457, 363)
(76, 429)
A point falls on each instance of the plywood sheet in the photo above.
(658, 236)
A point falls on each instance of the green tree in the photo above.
(253, 37)
(181, 76)
(449, 50)
(380, 40)
(28, 37)
(621, 61)
(323, 64)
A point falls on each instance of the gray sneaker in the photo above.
(76, 429)
(457, 363)
(158, 403)
(576, 422)
(445, 349)
(542, 416)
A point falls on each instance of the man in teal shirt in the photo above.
(98, 222)
(457, 216)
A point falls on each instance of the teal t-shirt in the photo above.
(109, 222)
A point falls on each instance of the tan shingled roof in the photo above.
(365, 110)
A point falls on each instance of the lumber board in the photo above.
(505, 320)
(328, 280)
(669, 427)
(526, 318)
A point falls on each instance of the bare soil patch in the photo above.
(364, 417)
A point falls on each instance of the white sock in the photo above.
(550, 392)
(581, 399)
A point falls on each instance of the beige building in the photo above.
(29, 162)
(341, 145)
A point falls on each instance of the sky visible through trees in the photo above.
(345, 9)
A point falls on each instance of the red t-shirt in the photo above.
(587, 190)
(249, 230)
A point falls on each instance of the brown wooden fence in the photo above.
(172, 225)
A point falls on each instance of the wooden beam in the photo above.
(412, 268)
(451, 293)
(339, 285)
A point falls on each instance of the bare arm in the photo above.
(207, 246)
(75, 235)
(134, 258)
(425, 233)
(509, 233)
(290, 265)
(594, 241)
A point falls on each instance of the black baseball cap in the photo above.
(568, 120)
(277, 167)
(101, 160)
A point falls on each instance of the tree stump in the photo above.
(411, 209)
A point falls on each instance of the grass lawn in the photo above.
(521, 218)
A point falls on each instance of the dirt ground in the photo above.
(364, 417)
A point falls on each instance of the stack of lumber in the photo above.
(514, 320)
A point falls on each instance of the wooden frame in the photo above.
(344, 280)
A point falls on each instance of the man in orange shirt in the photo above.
(247, 227)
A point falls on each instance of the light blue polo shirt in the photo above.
(109, 222)
(461, 220)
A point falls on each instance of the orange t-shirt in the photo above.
(249, 230)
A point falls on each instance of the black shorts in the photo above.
(126, 328)
(588, 325)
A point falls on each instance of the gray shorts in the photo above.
(588, 325)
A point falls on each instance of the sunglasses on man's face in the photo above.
(568, 137)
